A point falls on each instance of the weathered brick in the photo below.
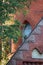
(19, 62)
(31, 38)
(33, 17)
(18, 55)
(37, 30)
(39, 38)
(41, 23)
(24, 47)
(11, 62)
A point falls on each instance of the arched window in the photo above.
(26, 30)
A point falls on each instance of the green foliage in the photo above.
(8, 32)
(8, 7)
(11, 31)
(0, 52)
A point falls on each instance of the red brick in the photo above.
(19, 62)
(34, 16)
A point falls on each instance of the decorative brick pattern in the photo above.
(35, 41)
(37, 30)
(24, 47)
(18, 55)
(19, 62)
(11, 62)
(31, 38)
(41, 23)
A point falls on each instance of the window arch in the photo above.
(26, 30)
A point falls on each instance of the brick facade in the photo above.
(33, 17)
(35, 41)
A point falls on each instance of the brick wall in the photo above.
(36, 38)
(34, 41)
(33, 17)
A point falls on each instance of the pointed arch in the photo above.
(26, 30)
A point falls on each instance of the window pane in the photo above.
(36, 54)
(26, 31)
